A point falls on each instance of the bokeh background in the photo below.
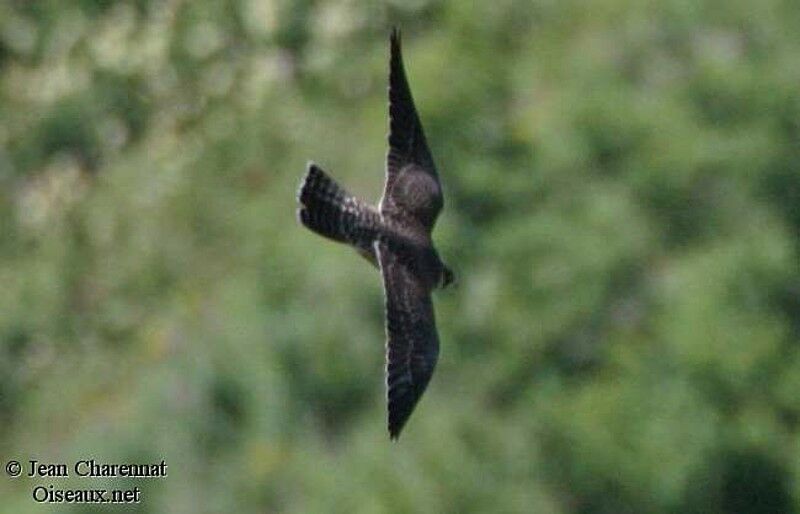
(622, 209)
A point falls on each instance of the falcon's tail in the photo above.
(329, 210)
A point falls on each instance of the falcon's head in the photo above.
(447, 278)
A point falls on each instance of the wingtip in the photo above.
(395, 38)
(395, 426)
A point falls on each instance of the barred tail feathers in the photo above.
(329, 210)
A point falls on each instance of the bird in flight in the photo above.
(395, 236)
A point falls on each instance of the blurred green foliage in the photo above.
(622, 208)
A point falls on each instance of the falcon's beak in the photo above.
(448, 278)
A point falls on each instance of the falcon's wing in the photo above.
(412, 345)
(412, 184)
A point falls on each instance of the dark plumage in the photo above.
(397, 238)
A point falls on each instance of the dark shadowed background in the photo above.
(622, 209)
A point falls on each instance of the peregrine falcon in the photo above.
(396, 237)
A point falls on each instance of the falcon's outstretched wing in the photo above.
(412, 184)
(412, 345)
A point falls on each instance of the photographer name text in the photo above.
(93, 468)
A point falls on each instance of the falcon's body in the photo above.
(395, 236)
